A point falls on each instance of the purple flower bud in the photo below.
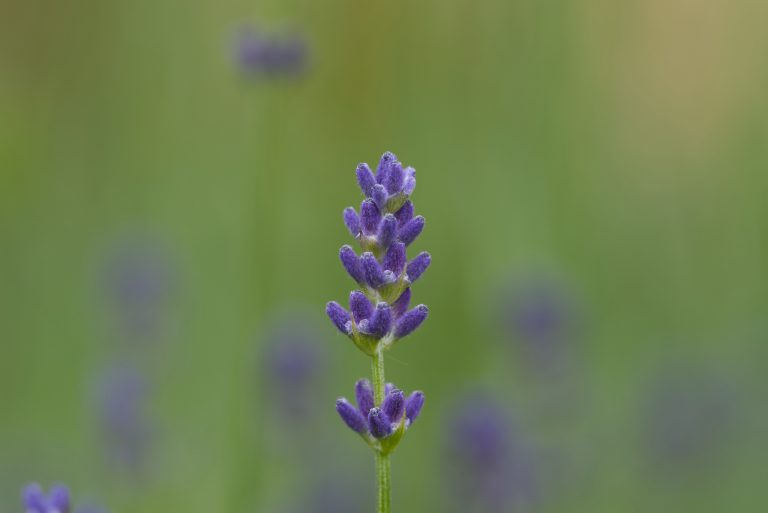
(393, 405)
(34, 498)
(365, 179)
(58, 498)
(418, 265)
(410, 321)
(413, 406)
(351, 263)
(400, 306)
(339, 317)
(388, 388)
(394, 259)
(378, 423)
(411, 230)
(374, 274)
(351, 416)
(369, 217)
(352, 220)
(364, 396)
(381, 321)
(360, 306)
(387, 230)
(384, 164)
(405, 213)
(409, 184)
(393, 180)
(379, 196)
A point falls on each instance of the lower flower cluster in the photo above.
(35, 500)
(381, 426)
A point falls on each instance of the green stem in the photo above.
(382, 460)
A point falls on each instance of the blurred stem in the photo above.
(382, 460)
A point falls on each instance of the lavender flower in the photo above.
(122, 403)
(690, 419)
(490, 469)
(378, 313)
(269, 55)
(292, 367)
(139, 281)
(383, 425)
(35, 500)
(57, 500)
(542, 317)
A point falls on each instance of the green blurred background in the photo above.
(617, 149)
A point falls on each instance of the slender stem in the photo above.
(382, 460)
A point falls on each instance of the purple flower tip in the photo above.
(413, 406)
(411, 230)
(400, 306)
(351, 263)
(351, 416)
(364, 396)
(378, 423)
(374, 274)
(405, 213)
(360, 306)
(394, 405)
(387, 230)
(365, 179)
(369, 217)
(352, 221)
(379, 196)
(339, 317)
(410, 321)
(394, 259)
(418, 265)
(381, 320)
(33, 498)
(58, 498)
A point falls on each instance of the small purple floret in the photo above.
(378, 423)
(381, 321)
(369, 217)
(365, 179)
(351, 416)
(364, 396)
(405, 213)
(374, 274)
(387, 231)
(411, 230)
(360, 306)
(339, 317)
(351, 263)
(394, 405)
(394, 259)
(379, 196)
(410, 321)
(413, 406)
(352, 221)
(418, 265)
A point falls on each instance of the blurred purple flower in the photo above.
(292, 365)
(258, 53)
(490, 469)
(122, 398)
(691, 416)
(541, 317)
(35, 500)
(139, 281)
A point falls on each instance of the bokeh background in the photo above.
(593, 176)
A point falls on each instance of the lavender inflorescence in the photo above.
(57, 500)
(379, 311)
